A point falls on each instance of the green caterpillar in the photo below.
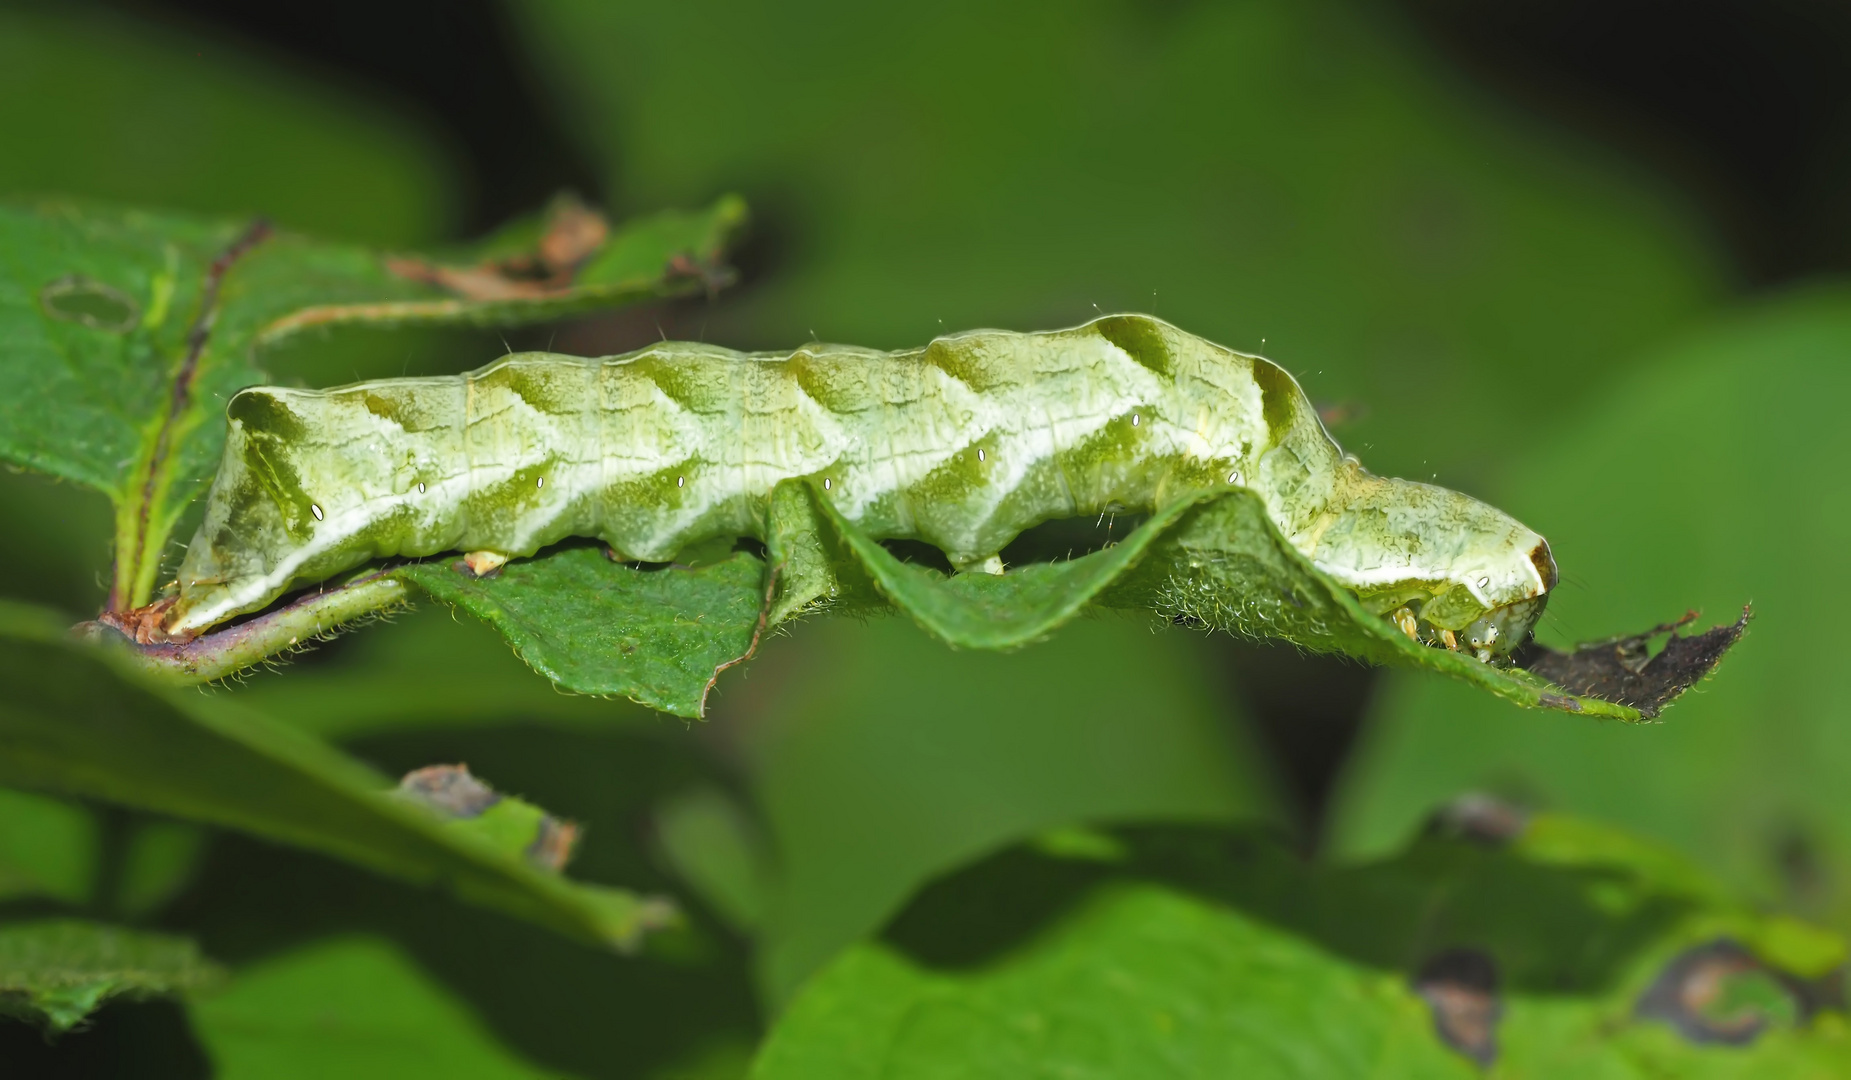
(962, 444)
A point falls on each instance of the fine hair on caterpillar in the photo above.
(963, 444)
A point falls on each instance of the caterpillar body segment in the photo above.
(962, 444)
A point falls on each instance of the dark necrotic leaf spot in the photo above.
(451, 789)
(87, 302)
(1720, 993)
(1461, 987)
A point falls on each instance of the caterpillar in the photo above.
(962, 444)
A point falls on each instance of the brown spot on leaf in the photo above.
(1722, 993)
(1482, 818)
(451, 789)
(1623, 670)
(1461, 987)
(552, 848)
(574, 233)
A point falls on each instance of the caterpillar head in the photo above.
(1506, 627)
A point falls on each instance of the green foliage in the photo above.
(433, 669)
(184, 307)
(1301, 179)
(79, 722)
(351, 1007)
(101, 105)
(1217, 953)
(56, 972)
(881, 759)
(658, 637)
(1710, 474)
(715, 848)
(48, 847)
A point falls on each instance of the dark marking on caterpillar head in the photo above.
(1278, 398)
(1544, 562)
(1140, 337)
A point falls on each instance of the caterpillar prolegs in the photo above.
(962, 444)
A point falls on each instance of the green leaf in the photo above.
(660, 637)
(714, 845)
(1708, 478)
(429, 668)
(78, 721)
(999, 611)
(1165, 952)
(48, 847)
(349, 1007)
(509, 824)
(158, 861)
(101, 104)
(125, 332)
(55, 972)
(881, 759)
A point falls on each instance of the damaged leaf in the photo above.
(510, 824)
(1165, 951)
(1704, 480)
(1461, 987)
(1624, 669)
(658, 636)
(572, 234)
(1721, 992)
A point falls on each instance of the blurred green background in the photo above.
(1555, 255)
